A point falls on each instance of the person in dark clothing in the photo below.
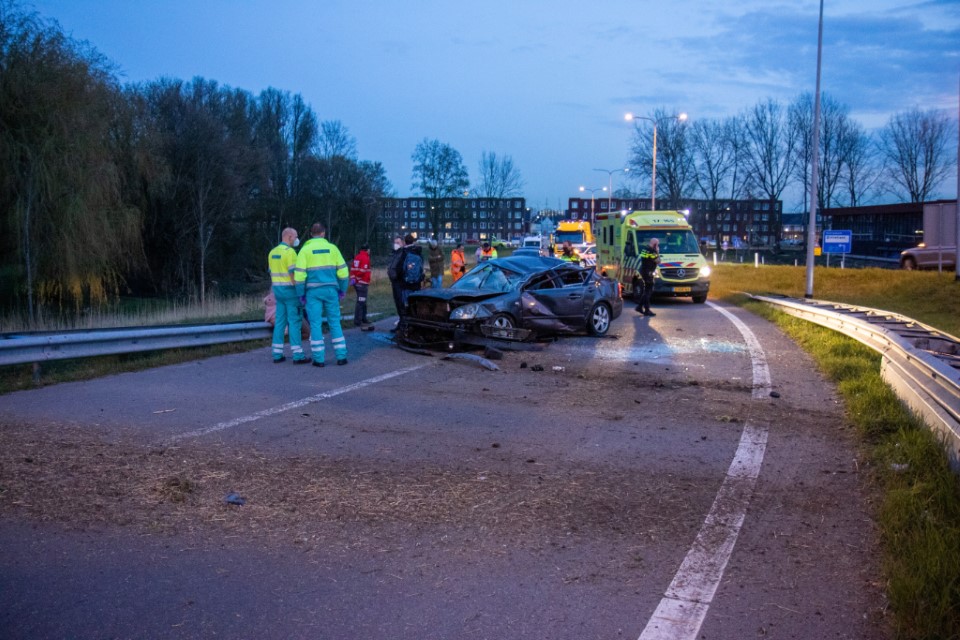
(436, 264)
(408, 286)
(394, 273)
(649, 259)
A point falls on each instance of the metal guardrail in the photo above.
(921, 363)
(21, 348)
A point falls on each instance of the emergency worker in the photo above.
(322, 276)
(569, 254)
(360, 279)
(487, 252)
(281, 261)
(458, 262)
(649, 259)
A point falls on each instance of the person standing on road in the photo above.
(436, 264)
(360, 278)
(458, 262)
(395, 274)
(281, 262)
(322, 278)
(412, 273)
(649, 259)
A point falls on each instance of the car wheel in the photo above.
(700, 299)
(908, 263)
(598, 322)
(502, 321)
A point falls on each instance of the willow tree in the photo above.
(60, 186)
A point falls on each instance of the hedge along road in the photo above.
(652, 487)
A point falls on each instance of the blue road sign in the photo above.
(837, 241)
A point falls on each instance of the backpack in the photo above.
(413, 269)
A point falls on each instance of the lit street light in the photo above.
(610, 173)
(592, 191)
(630, 117)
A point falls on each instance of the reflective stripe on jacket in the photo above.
(648, 261)
(320, 264)
(281, 262)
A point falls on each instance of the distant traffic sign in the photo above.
(837, 241)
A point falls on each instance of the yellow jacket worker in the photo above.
(322, 276)
(281, 261)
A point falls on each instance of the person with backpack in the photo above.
(412, 269)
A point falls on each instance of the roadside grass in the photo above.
(152, 312)
(919, 513)
(926, 296)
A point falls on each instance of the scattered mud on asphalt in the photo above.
(73, 477)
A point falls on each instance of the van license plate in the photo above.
(681, 289)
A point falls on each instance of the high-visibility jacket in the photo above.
(360, 269)
(282, 261)
(458, 264)
(320, 264)
(573, 256)
(487, 254)
(648, 262)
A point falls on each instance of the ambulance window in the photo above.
(630, 250)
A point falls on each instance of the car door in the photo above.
(556, 304)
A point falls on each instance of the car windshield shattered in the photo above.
(489, 277)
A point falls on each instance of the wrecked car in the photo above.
(516, 298)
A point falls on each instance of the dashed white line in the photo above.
(761, 372)
(296, 404)
(685, 604)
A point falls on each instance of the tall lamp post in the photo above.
(592, 191)
(610, 173)
(680, 118)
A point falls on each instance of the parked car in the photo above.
(513, 298)
(924, 257)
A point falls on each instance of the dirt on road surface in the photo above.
(567, 498)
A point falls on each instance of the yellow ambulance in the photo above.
(683, 269)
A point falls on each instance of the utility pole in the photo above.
(812, 221)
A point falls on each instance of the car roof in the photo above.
(527, 263)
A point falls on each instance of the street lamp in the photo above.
(610, 173)
(592, 191)
(680, 118)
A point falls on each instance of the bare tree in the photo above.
(713, 156)
(861, 171)
(838, 135)
(499, 178)
(914, 150)
(438, 172)
(735, 135)
(335, 140)
(770, 155)
(675, 167)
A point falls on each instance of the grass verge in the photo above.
(919, 516)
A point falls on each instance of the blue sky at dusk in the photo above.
(545, 82)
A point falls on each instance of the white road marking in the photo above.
(684, 606)
(687, 600)
(296, 404)
(761, 372)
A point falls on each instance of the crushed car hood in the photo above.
(462, 296)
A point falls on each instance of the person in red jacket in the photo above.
(360, 279)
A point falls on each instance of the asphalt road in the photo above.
(685, 477)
